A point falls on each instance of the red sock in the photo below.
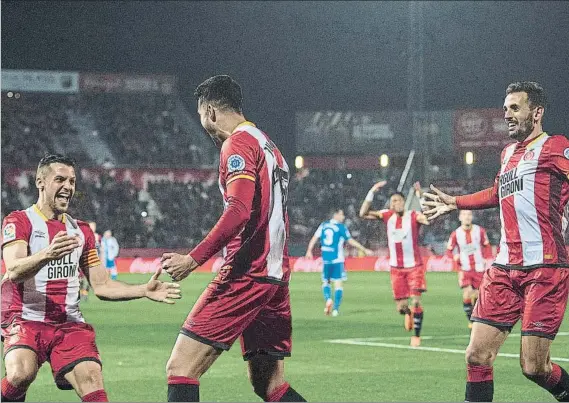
(278, 393)
(182, 380)
(554, 377)
(467, 301)
(11, 392)
(479, 383)
(96, 396)
(479, 373)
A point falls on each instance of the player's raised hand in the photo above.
(378, 186)
(61, 245)
(160, 291)
(437, 203)
(417, 186)
(178, 266)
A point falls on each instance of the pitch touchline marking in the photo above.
(434, 349)
(449, 337)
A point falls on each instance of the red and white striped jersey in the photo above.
(532, 188)
(402, 238)
(471, 244)
(52, 295)
(261, 249)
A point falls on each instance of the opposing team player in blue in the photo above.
(332, 234)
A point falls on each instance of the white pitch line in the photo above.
(434, 349)
(446, 337)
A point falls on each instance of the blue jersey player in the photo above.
(110, 251)
(332, 234)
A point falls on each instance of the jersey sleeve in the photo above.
(385, 214)
(346, 233)
(238, 159)
(89, 257)
(452, 243)
(485, 241)
(318, 233)
(487, 198)
(16, 228)
(559, 155)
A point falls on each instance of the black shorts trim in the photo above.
(401, 299)
(16, 346)
(498, 325)
(539, 334)
(269, 280)
(534, 266)
(214, 344)
(60, 380)
(277, 355)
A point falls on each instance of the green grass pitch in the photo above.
(135, 339)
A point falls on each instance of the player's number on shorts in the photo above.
(280, 178)
(328, 237)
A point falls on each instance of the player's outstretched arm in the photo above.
(310, 247)
(20, 266)
(437, 204)
(240, 193)
(360, 247)
(112, 290)
(365, 211)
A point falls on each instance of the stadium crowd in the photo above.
(138, 130)
(143, 131)
(177, 215)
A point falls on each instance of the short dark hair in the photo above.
(335, 210)
(536, 93)
(49, 159)
(397, 194)
(222, 91)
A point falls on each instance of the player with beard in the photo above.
(44, 249)
(529, 279)
(249, 297)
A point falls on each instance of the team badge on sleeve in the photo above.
(235, 162)
(9, 233)
(566, 153)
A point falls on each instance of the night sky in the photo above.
(295, 56)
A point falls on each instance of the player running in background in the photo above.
(110, 251)
(43, 250)
(332, 235)
(407, 269)
(84, 281)
(529, 279)
(249, 298)
(473, 247)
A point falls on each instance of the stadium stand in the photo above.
(147, 131)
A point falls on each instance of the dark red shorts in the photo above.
(470, 278)
(257, 311)
(538, 297)
(64, 345)
(409, 282)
